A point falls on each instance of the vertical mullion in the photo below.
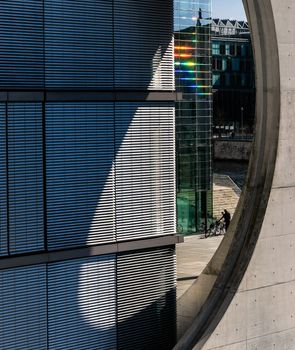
(47, 307)
(44, 138)
(7, 179)
(44, 174)
(44, 48)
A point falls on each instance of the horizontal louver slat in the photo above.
(25, 174)
(143, 44)
(79, 44)
(23, 319)
(146, 299)
(82, 304)
(80, 180)
(21, 44)
(144, 170)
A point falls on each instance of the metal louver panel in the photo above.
(3, 182)
(82, 304)
(79, 154)
(146, 300)
(145, 189)
(21, 45)
(25, 174)
(79, 43)
(143, 44)
(23, 322)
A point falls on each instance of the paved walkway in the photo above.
(192, 257)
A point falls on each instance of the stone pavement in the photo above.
(192, 257)
(226, 195)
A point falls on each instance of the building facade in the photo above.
(233, 77)
(193, 113)
(87, 169)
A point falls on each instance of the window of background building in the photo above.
(249, 66)
(222, 79)
(227, 80)
(215, 49)
(222, 49)
(219, 64)
(232, 50)
(247, 52)
(224, 64)
(235, 64)
(214, 63)
(216, 79)
(239, 50)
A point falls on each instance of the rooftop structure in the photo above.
(227, 27)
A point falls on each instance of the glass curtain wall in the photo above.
(233, 85)
(192, 21)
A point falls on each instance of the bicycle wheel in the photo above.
(217, 231)
(207, 233)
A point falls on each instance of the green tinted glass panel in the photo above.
(193, 79)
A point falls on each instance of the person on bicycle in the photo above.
(226, 217)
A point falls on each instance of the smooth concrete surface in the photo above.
(251, 302)
(262, 312)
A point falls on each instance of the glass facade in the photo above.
(193, 113)
(233, 78)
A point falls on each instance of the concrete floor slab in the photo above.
(192, 257)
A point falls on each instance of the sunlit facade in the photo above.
(87, 175)
(193, 113)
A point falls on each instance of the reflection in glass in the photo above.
(193, 113)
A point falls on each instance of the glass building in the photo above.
(87, 174)
(233, 77)
(193, 113)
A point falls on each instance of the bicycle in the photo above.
(205, 229)
(215, 229)
(222, 228)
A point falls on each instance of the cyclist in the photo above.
(226, 217)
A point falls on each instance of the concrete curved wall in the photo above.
(245, 298)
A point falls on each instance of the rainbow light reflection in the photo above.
(186, 58)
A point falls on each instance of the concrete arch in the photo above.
(245, 298)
